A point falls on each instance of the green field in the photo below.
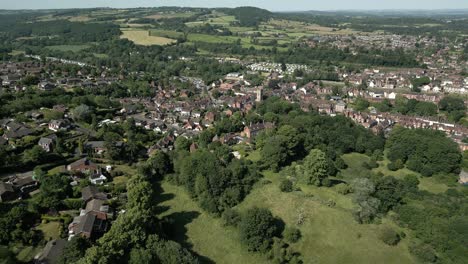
(72, 48)
(195, 37)
(166, 33)
(330, 234)
(143, 37)
(161, 15)
(220, 20)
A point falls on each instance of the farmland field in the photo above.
(221, 20)
(170, 15)
(142, 37)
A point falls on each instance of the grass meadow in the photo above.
(329, 233)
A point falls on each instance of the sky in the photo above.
(273, 5)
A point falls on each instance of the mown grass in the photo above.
(50, 230)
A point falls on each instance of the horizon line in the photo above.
(271, 10)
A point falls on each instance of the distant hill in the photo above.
(249, 16)
(391, 12)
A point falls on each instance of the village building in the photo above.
(7, 192)
(93, 219)
(253, 130)
(51, 253)
(48, 143)
(59, 125)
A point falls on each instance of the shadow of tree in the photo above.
(162, 197)
(280, 225)
(162, 208)
(174, 226)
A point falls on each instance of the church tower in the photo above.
(259, 93)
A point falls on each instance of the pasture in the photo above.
(143, 37)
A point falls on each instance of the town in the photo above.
(223, 121)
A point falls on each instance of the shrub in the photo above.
(292, 234)
(231, 217)
(343, 188)
(286, 185)
(340, 163)
(389, 236)
(424, 252)
(327, 182)
(73, 203)
(257, 229)
(396, 165)
(372, 164)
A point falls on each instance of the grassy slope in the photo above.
(202, 232)
(330, 235)
(355, 169)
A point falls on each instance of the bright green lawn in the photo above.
(50, 230)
